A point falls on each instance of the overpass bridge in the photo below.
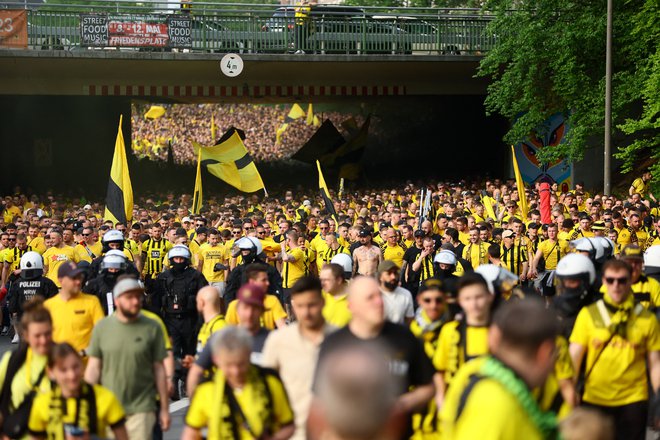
(120, 49)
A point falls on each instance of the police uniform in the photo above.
(23, 290)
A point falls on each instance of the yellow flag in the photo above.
(155, 112)
(278, 134)
(488, 206)
(325, 194)
(520, 185)
(197, 195)
(316, 121)
(230, 161)
(310, 115)
(119, 200)
(213, 128)
(296, 112)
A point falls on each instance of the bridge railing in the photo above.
(251, 28)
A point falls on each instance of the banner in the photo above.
(149, 31)
(13, 28)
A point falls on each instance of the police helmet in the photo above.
(179, 251)
(113, 262)
(652, 260)
(498, 278)
(31, 265)
(345, 261)
(445, 256)
(576, 266)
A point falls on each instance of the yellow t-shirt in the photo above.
(54, 257)
(37, 244)
(74, 320)
(210, 256)
(394, 253)
(476, 254)
(639, 187)
(293, 271)
(454, 347)
(272, 312)
(83, 255)
(207, 329)
(335, 310)
(109, 412)
(201, 408)
(547, 395)
(25, 376)
(489, 412)
(619, 375)
(553, 252)
(10, 213)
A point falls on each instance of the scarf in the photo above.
(85, 417)
(227, 418)
(620, 314)
(546, 422)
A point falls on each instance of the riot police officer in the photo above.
(251, 251)
(113, 240)
(112, 267)
(176, 296)
(29, 284)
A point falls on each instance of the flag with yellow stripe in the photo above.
(197, 195)
(522, 196)
(325, 194)
(119, 199)
(230, 161)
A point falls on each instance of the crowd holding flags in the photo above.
(522, 196)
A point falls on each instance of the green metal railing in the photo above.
(274, 29)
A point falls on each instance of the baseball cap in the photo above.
(632, 251)
(307, 203)
(251, 294)
(508, 233)
(386, 266)
(533, 226)
(87, 207)
(69, 269)
(429, 284)
(598, 226)
(365, 233)
(127, 285)
(186, 220)
(419, 233)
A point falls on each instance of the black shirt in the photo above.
(409, 365)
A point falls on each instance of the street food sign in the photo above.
(102, 30)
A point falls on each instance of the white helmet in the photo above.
(589, 245)
(575, 266)
(445, 256)
(113, 262)
(498, 278)
(345, 261)
(249, 244)
(115, 252)
(112, 235)
(31, 265)
(179, 251)
(652, 260)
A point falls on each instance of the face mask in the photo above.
(179, 267)
(569, 302)
(247, 259)
(111, 276)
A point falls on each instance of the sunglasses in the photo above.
(86, 235)
(11, 239)
(261, 232)
(248, 228)
(612, 280)
(236, 232)
(432, 300)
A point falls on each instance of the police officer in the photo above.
(176, 299)
(112, 267)
(113, 240)
(251, 251)
(29, 284)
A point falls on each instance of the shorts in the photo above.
(140, 426)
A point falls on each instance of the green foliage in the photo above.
(550, 57)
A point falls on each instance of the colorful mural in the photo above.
(531, 169)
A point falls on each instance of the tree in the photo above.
(550, 58)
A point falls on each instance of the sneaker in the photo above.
(15, 339)
(4, 331)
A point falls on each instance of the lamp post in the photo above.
(608, 102)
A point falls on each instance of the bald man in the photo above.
(209, 305)
(408, 365)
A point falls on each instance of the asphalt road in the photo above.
(177, 409)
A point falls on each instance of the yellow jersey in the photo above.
(74, 320)
(54, 257)
(335, 309)
(292, 271)
(459, 343)
(207, 329)
(209, 256)
(273, 312)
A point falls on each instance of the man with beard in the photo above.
(112, 364)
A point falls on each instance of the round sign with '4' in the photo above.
(231, 65)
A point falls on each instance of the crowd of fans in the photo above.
(183, 124)
(388, 315)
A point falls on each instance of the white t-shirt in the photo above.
(398, 305)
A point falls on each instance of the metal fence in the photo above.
(275, 29)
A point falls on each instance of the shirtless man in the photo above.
(367, 257)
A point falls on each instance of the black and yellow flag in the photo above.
(197, 195)
(230, 161)
(119, 200)
(348, 158)
(296, 112)
(325, 194)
